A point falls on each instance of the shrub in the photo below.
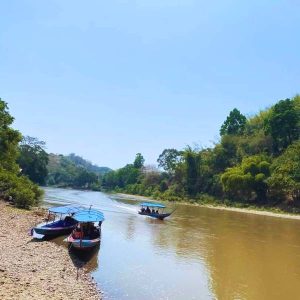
(19, 189)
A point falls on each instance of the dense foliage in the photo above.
(33, 159)
(13, 185)
(73, 171)
(81, 162)
(256, 161)
(9, 139)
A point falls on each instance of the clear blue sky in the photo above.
(108, 79)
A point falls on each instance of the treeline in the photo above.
(55, 169)
(25, 164)
(74, 171)
(257, 161)
(14, 186)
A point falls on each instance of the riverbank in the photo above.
(37, 270)
(262, 211)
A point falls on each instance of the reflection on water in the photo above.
(198, 253)
(87, 259)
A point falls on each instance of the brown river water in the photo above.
(197, 253)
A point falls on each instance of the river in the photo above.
(197, 253)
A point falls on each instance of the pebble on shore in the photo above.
(36, 270)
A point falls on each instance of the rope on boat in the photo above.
(174, 210)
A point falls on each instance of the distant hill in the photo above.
(73, 170)
(81, 162)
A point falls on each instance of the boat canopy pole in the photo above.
(81, 235)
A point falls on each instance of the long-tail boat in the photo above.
(87, 233)
(154, 210)
(60, 221)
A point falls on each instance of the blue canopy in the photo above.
(69, 209)
(149, 204)
(89, 215)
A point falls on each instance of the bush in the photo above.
(23, 197)
(19, 189)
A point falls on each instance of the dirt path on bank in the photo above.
(36, 270)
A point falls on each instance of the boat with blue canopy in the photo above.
(60, 221)
(153, 210)
(87, 233)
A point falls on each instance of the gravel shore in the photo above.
(36, 270)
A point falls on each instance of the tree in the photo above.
(169, 159)
(9, 139)
(191, 162)
(19, 189)
(139, 161)
(285, 180)
(33, 159)
(247, 180)
(282, 125)
(84, 178)
(151, 176)
(234, 124)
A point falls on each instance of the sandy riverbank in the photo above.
(255, 212)
(36, 270)
(219, 207)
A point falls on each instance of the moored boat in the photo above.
(153, 210)
(87, 233)
(62, 222)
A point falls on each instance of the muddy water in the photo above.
(198, 253)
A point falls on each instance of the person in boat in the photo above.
(77, 234)
(148, 211)
(153, 211)
(143, 210)
(68, 219)
(156, 211)
(93, 231)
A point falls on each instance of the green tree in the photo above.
(191, 162)
(169, 159)
(283, 125)
(84, 178)
(9, 139)
(139, 161)
(234, 124)
(33, 159)
(247, 181)
(285, 180)
(151, 176)
(128, 175)
(18, 189)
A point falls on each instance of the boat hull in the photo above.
(83, 244)
(54, 228)
(155, 215)
(53, 231)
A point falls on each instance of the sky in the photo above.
(109, 79)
